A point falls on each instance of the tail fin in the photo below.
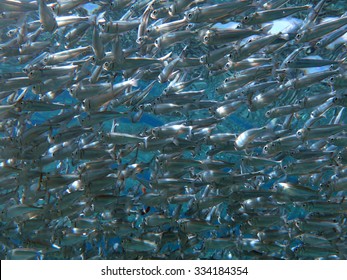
(165, 57)
(134, 82)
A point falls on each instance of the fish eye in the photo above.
(331, 79)
(156, 42)
(285, 167)
(246, 18)
(206, 39)
(299, 133)
(266, 148)
(309, 50)
(155, 12)
(298, 36)
(268, 113)
(190, 16)
(318, 44)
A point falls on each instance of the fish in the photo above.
(47, 18)
(251, 47)
(270, 15)
(330, 37)
(173, 129)
(320, 30)
(215, 36)
(214, 12)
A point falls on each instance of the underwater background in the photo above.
(173, 129)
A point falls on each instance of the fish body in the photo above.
(175, 129)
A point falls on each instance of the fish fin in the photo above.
(145, 140)
(266, 28)
(175, 141)
(165, 57)
(173, 74)
(183, 54)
